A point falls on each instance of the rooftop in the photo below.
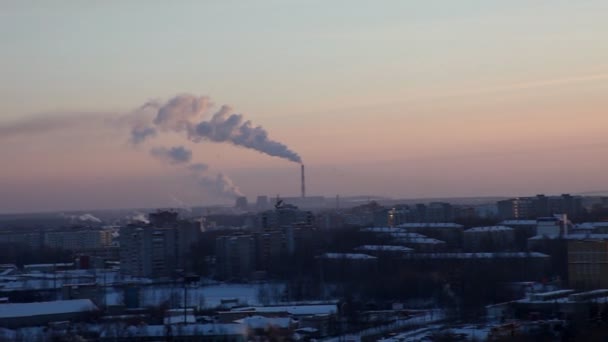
(419, 240)
(358, 256)
(488, 229)
(430, 225)
(13, 310)
(572, 237)
(382, 230)
(500, 255)
(296, 310)
(384, 248)
(518, 223)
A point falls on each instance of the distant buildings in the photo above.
(450, 233)
(78, 240)
(159, 249)
(33, 240)
(241, 203)
(540, 206)
(284, 215)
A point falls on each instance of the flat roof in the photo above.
(14, 310)
(384, 248)
(500, 255)
(488, 229)
(358, 256)
(430, 225)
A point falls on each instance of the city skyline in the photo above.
(406, 100)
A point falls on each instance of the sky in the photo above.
(404, 99)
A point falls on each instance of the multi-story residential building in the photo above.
(235, 256)
(160, 249)
(540, 206)
(78, 240)
(588, 261)
(285, 215)
(33, 240)
(147, 251)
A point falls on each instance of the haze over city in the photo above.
(407, 100)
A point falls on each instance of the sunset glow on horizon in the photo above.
(406, 100)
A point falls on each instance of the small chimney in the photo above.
(303, 183)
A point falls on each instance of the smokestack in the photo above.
(303, 183)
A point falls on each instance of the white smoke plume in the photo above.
(179, 112)
(220, 185)
(173, 155)
(81, 218)
(183, 113)
(138, 217)
(232, 128)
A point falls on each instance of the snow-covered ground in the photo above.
(467, 333)
(429, 317)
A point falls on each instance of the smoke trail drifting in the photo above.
(173, 155)
(183, 113)
(221, 186)
(179, 112)
(232, 128)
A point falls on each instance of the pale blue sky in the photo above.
(266, 55)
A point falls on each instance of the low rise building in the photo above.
(489, 239)
(14, 315)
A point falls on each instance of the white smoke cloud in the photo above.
(179, 112)
(220, 186)
(82, 218)
(232, 128)
(138, 217)
(182, 113)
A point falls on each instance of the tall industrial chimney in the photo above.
(303, 183)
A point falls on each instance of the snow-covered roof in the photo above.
(382, 230)
(499, 255)
(408, 235)
(296, 310)
(488, 229)
(419, 240)
(13, 310)
(181, 330)
(597, 224)
(518, 223)
(572, 237)
(430, 225)
(384, 248)
(261, 322)
(66, 264)
(358, 256)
